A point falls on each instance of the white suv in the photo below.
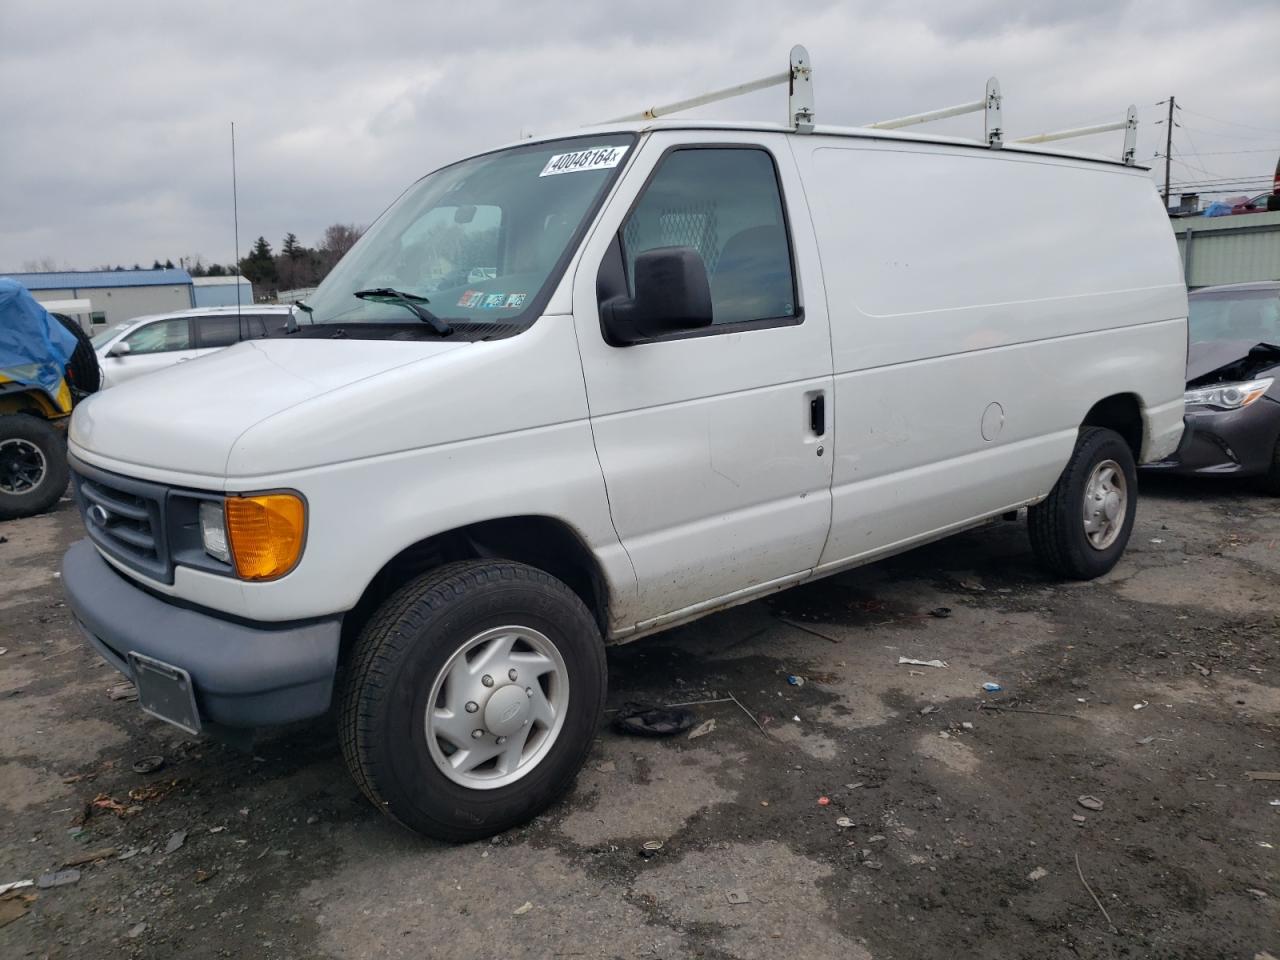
(671, 367)
(147, 344)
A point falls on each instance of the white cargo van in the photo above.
(576, 390)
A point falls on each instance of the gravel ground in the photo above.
(1153, 690)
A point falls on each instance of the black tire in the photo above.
(18, 434)
(1270, 481)
(397, 658)
(83, 374)
(1056, 524)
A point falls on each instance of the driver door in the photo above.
(713, 441)
(153, 346)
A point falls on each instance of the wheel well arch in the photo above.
(1121, 412)
(547, 543)
(18, 398)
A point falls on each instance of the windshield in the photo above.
(100, 340)
(1242, 315)
(482, 240)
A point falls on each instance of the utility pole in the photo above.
(1168, 151)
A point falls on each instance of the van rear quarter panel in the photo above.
(961, 278)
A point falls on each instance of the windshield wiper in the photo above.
(291, 325)
(410, 301)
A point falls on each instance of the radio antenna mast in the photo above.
(235, 215)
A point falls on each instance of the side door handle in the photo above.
(818, 415)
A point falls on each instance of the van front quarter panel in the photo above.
(487, 430)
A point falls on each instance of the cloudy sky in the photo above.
(117, 114)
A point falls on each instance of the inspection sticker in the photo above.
(593, 158)
(470, 298)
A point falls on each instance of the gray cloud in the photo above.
(117, 115)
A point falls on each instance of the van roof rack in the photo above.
(1129, 125)
(799, 79)
(989, 104)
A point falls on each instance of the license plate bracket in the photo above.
(165, 692)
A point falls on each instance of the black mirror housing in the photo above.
(672, 294)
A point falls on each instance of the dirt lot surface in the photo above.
(1153, 690)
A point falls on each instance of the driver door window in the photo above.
(725, 203)
(163, 336)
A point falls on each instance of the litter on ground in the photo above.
(922, 663)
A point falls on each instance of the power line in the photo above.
(1219, 191)
(1230, 123)
(1232, 188)
(1229, 136)
(1229, 180)
(1224, 182)
(1195, 147)
(1227, 153)
(1196, 168)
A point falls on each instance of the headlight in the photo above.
(1228, 396)
(265, 533)
(213, 530)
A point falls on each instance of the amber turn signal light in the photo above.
(266, 533)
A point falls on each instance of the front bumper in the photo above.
(243, 675)
(1237, 443)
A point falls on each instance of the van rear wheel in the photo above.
(473, 697)
(1080, 530)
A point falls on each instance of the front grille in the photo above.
(125, 518)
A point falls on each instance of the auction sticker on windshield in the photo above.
(593, 158)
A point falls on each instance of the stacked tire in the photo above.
(82, 373)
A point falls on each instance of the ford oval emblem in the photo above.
(511, 713)
(99, 515)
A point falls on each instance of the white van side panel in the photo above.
(906, 469)
(981, 303)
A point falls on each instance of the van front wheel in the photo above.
(472, 699)
(1080, 530)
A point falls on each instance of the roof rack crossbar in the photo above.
(989, 104)
(1129, 125)
(798, 76)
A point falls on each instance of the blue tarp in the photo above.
(34, 347)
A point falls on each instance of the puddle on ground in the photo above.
(837, 603)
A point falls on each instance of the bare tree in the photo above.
(338, 239)
(42, 265)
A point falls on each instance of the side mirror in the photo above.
(119, 349)
(672, 294)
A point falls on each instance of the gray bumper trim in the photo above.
(245, 676)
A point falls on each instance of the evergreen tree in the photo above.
(259, 266)
(290, 251)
